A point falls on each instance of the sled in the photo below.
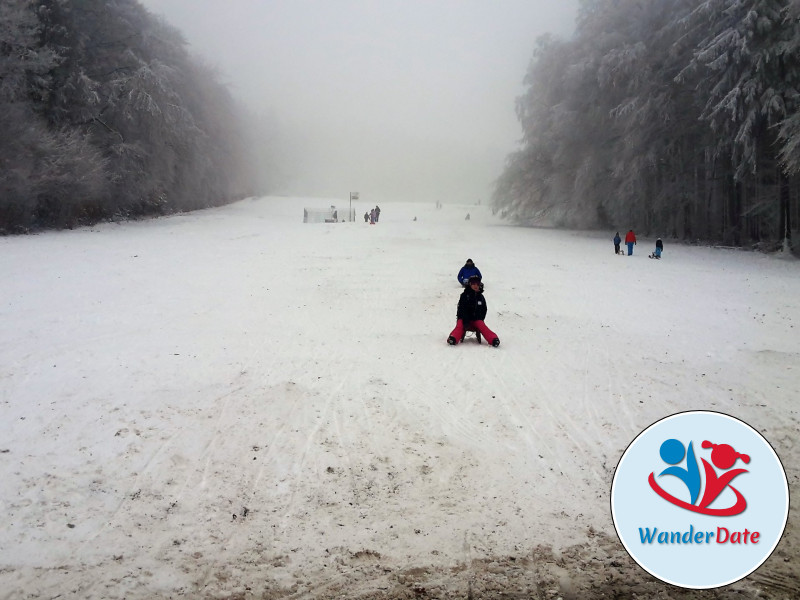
(471, 330)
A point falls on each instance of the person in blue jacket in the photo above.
(467, 271)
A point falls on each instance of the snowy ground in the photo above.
(231, 403)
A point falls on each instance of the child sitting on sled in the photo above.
(659, 249)
(471, 313)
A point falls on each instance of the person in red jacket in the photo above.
(630, 240)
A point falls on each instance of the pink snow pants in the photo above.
(480, 326)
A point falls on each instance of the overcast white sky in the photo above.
(396, 99)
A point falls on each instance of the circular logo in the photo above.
(699, 499)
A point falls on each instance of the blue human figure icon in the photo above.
(672, 452)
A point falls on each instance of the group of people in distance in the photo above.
(630, 241)
(373, 215)
(471, 310)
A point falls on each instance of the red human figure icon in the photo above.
(724, 457)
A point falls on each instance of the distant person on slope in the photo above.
(617, 242)
(468, 270)
(659, 249)
(630, 241)
(470, 314)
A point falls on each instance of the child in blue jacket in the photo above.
(468, 270)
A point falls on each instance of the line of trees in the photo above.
(104, 114)
(677, 118)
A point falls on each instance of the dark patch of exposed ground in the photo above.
(598, 568)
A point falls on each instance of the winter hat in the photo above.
(474, 279)
(469, 261)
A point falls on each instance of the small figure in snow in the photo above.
(468, 270)
(372, 217)
(470, 315)
(366, 217)
(630, 241)
(467, 217)
(377, 213)
(617, 242)
(659, 249)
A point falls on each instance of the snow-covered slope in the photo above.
(233, 403)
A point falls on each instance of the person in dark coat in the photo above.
(468, 270)
(659, 249)
(630, 240)
(617, 242)
(471, 313)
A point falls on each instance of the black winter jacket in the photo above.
(471, 306)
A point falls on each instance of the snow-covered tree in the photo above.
(751, 65)
(676, 117)
(105, 113)
(39, 166)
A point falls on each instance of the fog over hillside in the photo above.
(398, 100)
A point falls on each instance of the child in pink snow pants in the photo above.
(471, 313)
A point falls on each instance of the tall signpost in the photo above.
(353, 196)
